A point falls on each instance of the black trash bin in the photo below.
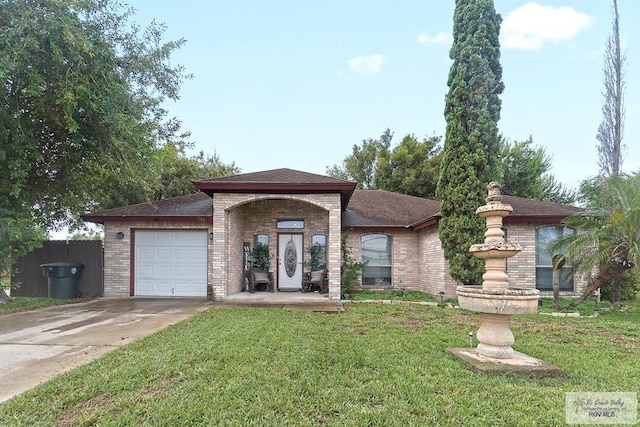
(62, 278)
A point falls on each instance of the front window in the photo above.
(544, 266)
(376, 254)
(290, 223)
(261, 239)
(319, 251)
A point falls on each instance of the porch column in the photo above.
(219, 252)
(333, 249)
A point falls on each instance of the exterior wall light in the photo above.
(120, 235)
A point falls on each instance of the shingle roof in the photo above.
(192, 207)
(282, 176)
(379, 208)
(362, 208)
(526, 208)
(278, 181)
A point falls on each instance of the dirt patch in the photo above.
(412, 324)
(465, 318)
(70, 415)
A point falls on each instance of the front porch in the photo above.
(311, 301)
(285, 226)
(284, 210)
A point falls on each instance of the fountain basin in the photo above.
(499, 250)
(498, 301)
(494, 208)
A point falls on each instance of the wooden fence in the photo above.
(33, 283)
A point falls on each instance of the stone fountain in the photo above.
(496, 301)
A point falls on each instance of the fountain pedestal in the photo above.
(496, 301)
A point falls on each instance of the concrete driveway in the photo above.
(40, 344)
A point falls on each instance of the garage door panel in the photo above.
(145, 270)
(183, 271)
(144, 254)
(171, 263)
(183, 254)
(163, 270)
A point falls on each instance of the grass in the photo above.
(376, 365)
(395, 295)
(31, 303)
(585, 308)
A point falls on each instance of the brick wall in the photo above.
(434, 270)
(260, 218)
(235, 228)
(419, 262)
(248, 214)
(405, 258)
(117, 252)
(522, 267)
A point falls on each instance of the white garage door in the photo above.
(171, 263)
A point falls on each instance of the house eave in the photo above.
(551, 219)
(377, 228)
(101, 219)
(345, 189)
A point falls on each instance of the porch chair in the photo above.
(315, 280)
(259, 279)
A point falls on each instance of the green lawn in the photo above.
(31, 303)
(375, 365)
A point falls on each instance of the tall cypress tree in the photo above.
(610, 132)
(472, 112)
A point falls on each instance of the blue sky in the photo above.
(297, 83)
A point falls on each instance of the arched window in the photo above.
(376, 254)
(544, 267)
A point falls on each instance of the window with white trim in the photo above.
(544, 266)
(377, 250)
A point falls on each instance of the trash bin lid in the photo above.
(62, 264)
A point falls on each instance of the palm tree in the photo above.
(607, 243)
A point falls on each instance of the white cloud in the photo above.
(531, 25)
(440, 38)
(367, 65)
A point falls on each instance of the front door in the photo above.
(290, 262)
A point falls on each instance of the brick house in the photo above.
(195, 245)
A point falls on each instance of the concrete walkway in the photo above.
(40, 344)
(311, 301)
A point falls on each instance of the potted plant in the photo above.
(260, 257)
(317, 258)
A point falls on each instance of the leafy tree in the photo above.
(611, 129)
(86, 234)
(18, 236)
(524, 170)
(472, 110)
(176, 171)
(412, 167)
(607, 244)
(81, 93)
(362, 165)
(81, 102)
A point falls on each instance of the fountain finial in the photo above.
(494, 193)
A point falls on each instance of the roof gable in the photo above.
(278, 181)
